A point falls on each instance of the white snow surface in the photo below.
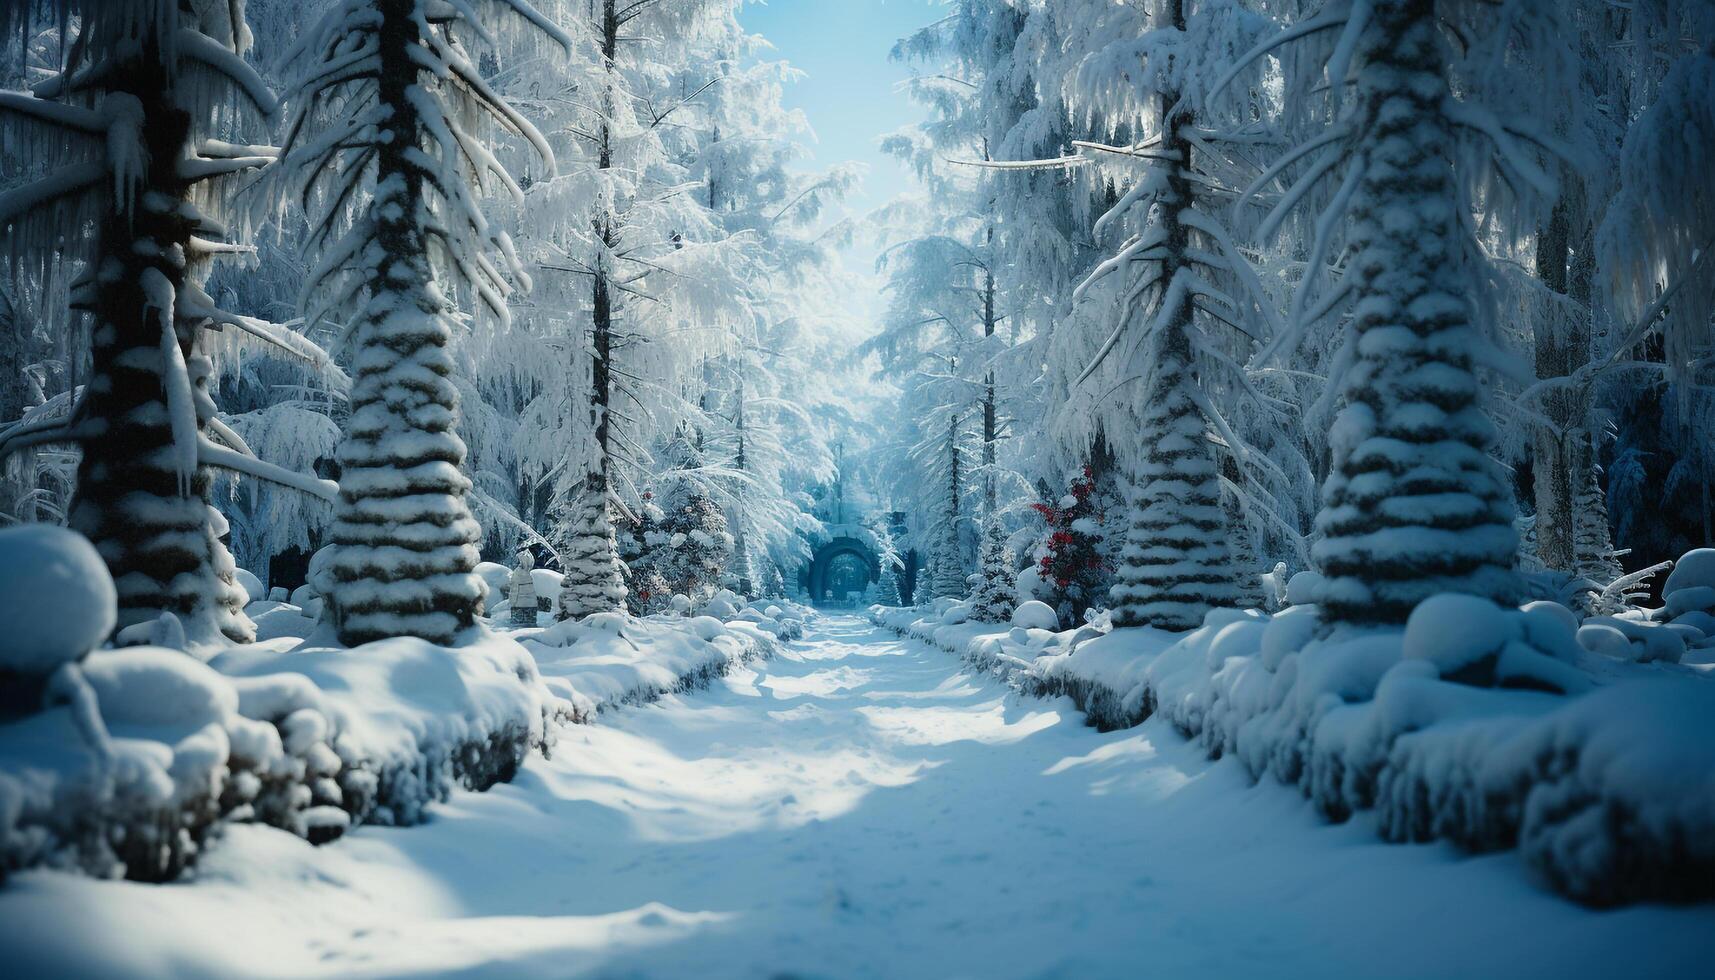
(609, 659)
(1607, 788)
(56, 598)
(855, 806)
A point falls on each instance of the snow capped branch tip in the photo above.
(220, 457)
(1136, 151)
(1052, 163)
(217, 57)
(91, 121)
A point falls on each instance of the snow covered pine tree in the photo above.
(1414, 504)
(1176, 563)
(386, 97)
(127, 122)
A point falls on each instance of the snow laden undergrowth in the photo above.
(856, 806)
(125, 761)
(1588, 746)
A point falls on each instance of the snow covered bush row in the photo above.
(125, 761)
(1487, 727)
(610, 659)
(130, 757)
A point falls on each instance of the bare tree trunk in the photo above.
(1560, 448)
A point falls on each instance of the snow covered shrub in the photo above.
(609, 659)
(1480, 725)
(1034, 615)
(1472, 641)
(521, 592)
(119, 762)
(127, 759)
(1686, 622)
(1069, 563)
(405, 721)
(995, 595)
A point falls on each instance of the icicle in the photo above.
(175, 378)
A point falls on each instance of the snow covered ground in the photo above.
(855, 806)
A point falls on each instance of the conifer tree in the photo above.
(1413, 503)
(129, 132)
(995, 596)
(381, 137)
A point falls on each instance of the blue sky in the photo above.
(849, 92)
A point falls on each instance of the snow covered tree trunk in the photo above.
(1175, 564)
(16, 470)
(595, 581)
(1413, 504)
(1247, 567)
(990, 428)
(743, 577)
(744, 582)
(405, 544)
(141, 496)
(948, 563)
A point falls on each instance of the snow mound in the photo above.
(497, 577)
(253, 587)
(57, 600)
(1460, 635)
(1035, 614)
(1696, 569)
(1302, 587)
(607, 660)
(403, 722)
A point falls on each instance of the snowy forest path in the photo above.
(856, 806)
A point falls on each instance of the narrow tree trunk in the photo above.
(949, 577)
(1413, 505)
(990, 434)
(405, 544)
(594, 580)
(152, 525)
(742, 570)
(16, 470)
(1560, 447)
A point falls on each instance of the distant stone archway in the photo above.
(818, 583)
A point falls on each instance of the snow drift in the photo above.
(1487, 727)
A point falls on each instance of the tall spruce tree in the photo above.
(126, 136)
(381, 138)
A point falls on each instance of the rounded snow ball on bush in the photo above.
(1695, 568)
(1462, 635)
(56, 598)
(1036, 615)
